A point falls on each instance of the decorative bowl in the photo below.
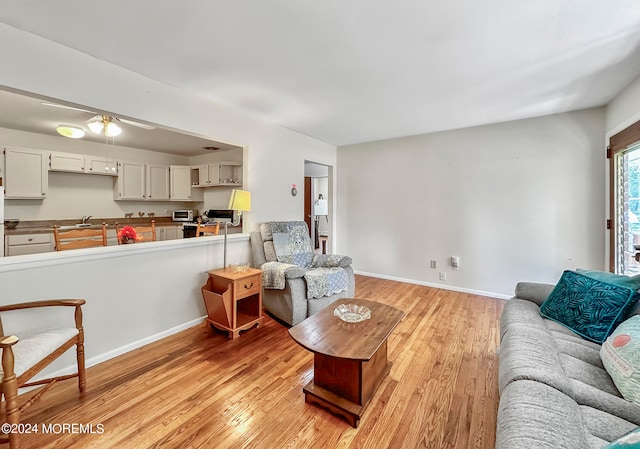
(11, 224)
(239, 267)
(352, 313)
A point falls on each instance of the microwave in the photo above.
(223, 215)
(184, 215)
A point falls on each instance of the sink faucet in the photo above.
(85, 218)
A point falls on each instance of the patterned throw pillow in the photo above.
(292, 243)
(589, 307)
(633, 282)
(620, 356)
(629, 441)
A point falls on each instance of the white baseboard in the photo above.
(122, 349)
(140, 343)
(434, 285)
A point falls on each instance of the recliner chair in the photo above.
(290, 303)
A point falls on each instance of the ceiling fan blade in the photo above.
(62, 106)
(138, 124)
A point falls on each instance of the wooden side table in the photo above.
(233, 299)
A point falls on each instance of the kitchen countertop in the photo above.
(45, 226)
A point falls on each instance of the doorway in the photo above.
(316, 201)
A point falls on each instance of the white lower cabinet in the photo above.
(112, 237)
(18, 245)
(170, 232)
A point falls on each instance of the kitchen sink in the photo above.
(75, 226)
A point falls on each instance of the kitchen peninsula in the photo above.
(32, 237)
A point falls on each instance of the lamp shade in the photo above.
(320, 207)
(104, 126)
(240, 200)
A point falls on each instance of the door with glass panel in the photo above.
(626, 210)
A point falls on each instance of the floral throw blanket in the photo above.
(325, 281)
(292, 245)
(273, 274)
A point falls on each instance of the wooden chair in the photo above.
(145, 233)
(24, 357)
(203, 229)
(79, 238)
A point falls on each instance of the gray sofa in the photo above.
(291, 304)
(554, 390)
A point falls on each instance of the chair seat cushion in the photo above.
(33, 348)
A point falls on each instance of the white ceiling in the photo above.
(361, 70)
(31, 114)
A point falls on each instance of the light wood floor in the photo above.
(198, 389)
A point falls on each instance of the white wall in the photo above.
(515, 201)
(275, 158)
(133, 292)
(624, 109)
(138, 296)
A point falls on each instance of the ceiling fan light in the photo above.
(112, 130)
(70, 131)
(96, 127)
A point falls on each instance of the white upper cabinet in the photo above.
(181, 184)
(230, 173)
(131, 183)
(157, 182)
(81, 163)
(67, 162)
(152, 182)
(100, 166)
(200, 177)
(217, 174)
(26, 173)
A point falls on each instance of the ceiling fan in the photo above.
(103, 123)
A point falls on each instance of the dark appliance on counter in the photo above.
(222, 215)
(212, 216)
(189, 230)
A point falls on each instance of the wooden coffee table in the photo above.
(349, 359)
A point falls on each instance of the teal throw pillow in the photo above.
(620, 356)
(629, 441)
(589, 307)
(633, 282)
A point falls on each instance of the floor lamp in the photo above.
(240, 201)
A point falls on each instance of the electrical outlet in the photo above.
(443, 276)
(455, 262)
(433, 264)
